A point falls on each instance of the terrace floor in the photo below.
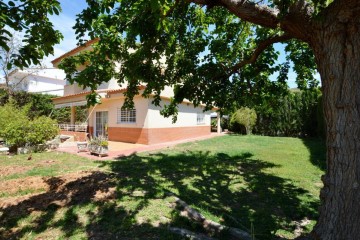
(122, 149)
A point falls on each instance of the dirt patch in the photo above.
(10, 170)
(69, 188)
(102, 195)
(35, 184)
(65, 191)
(15, 185)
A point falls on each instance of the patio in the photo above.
(122, 149)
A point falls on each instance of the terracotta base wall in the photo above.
(130, 135)
(78, 136)
(156, 135)
(159, 135)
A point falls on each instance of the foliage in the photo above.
(11, 114)
(31, 18)
(40, 130)
(213, 122)
(199, 47)
(245, 117)
(99, 141)
(19, 130)
(294, 114)
(41, 105)
(225, 122)
(320, 118)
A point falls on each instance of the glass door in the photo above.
(101, 124)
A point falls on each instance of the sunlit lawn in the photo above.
(239, 181)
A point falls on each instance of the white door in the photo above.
(101, 124)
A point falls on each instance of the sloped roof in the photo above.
(108, 91)
(74, 51)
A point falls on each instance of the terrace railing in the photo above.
(73, 127)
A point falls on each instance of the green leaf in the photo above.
(8, 66)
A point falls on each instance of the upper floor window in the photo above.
(126, 115)
(200, 118)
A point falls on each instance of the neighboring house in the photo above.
(41, 80)
(143, 124)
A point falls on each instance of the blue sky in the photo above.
(66, 20)
(64, 23)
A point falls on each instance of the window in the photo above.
(200, 118)
(126, 115)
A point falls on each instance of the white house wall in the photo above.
(48, 81)
(112, 105)
(187, 116)
(39, 84)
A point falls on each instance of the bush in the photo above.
(244, 117)
(41, 129)
(18, 129)
(41, 105)
(10, 113)
(296, 114)
(225, 123)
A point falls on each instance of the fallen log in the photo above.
(188, 234)
(208, 225)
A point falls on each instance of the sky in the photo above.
(64, 23)
(66, 20)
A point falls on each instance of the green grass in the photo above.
(44, 165)
(238, 181)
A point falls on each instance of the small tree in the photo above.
(18, 130)
(245, 117)
(8, 68)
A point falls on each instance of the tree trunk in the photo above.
(337, 52)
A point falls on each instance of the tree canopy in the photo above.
(199, 50)
(31, 20)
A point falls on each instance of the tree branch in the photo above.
(247, 11)
(260, 48)
(296, 16)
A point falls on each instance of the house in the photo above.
(144, 124)
(38, 80)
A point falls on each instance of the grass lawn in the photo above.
(266, 183)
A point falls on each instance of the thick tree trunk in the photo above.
(337, 51)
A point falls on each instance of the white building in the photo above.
(41, 80)
(144, 124)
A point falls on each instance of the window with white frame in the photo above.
(126, 115)
(200, 118)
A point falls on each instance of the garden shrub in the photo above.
(225, 123)
(18, 129)
(10, 113)
(41, 105)
(297, 114)
(320, 118)
(41, 129)
(243, 117)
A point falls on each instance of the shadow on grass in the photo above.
(235, 189)
(317, 149)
